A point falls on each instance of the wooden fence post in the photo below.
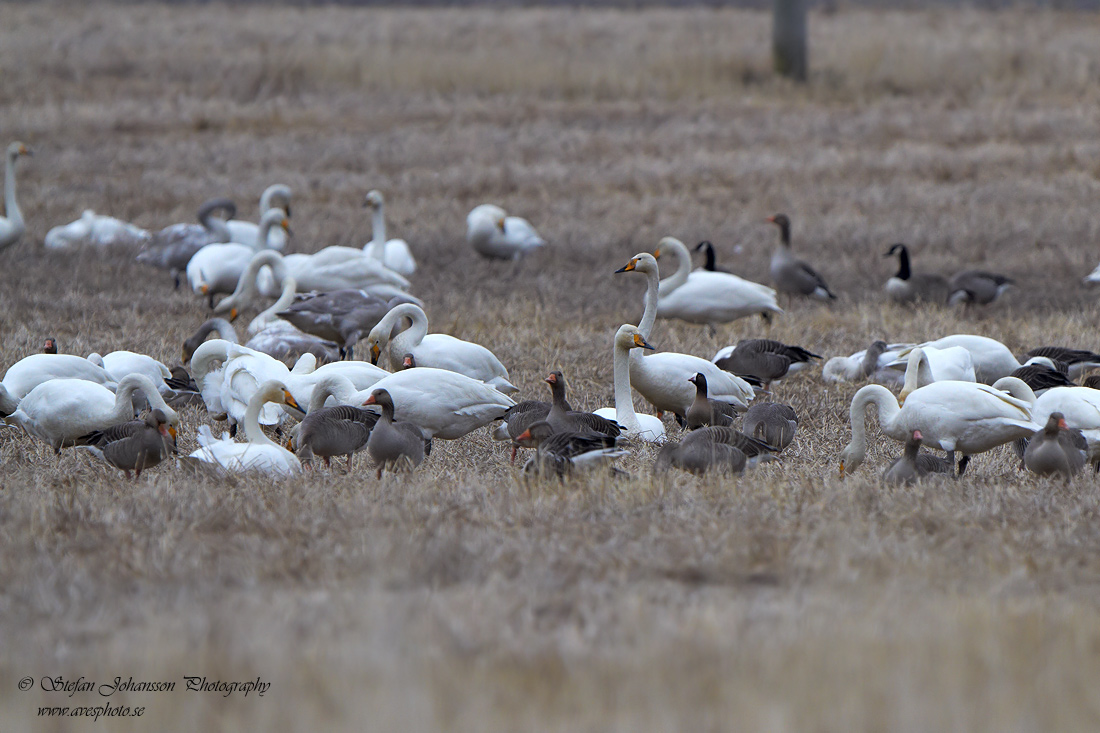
(789, 38)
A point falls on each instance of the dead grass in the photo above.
(462, 597)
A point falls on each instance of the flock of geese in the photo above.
(296, 376)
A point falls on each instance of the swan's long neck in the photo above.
(252, 430)
(331, 385)
(246, 288)
(377, 246)
(411, 337)
(16, 227)
(888, 409)
(124, 408)
(215, 224)
(678, 278)
(8, 404)
(649, 315)
(286, 299)
(263, 241)
(224, 328)
(202, 361)
(624, 403)
(918, 372)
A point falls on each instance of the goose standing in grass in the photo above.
(977, 287)
(275, 197)
(393, 253)
(790, 274)
(495, 235)
(394, 444)
(645, 427)
(1077, 360)
(909, 287)
(914, 465)
(12, 227)
(772, 423)
(1079, 407)
(1056, 449)
(173, 247)
(701, 296)
(217, 268)
(563, 452)
(704, 411)
(341, 316)
(708, 254)
(96, 230)
(766, 359)
(60, 411)
(963, 417)
(135, 445)
(436, 350)
(663, 378)
(259, 453)
(340, 430)
(562, 418)
(31, 371)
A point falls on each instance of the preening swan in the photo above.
(437, 350)
(393, 253)
(952, 416)
(497, 236)
(121, 364)
(61, 410)
(259, 453)
(633, 425)
(96, 230)
(12, 227)
(991, 359)
(217, 268)
(923, 366)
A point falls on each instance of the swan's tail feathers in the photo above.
(502, 385)
(500, 432)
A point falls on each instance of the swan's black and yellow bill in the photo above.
(628, 267)
(639, 341)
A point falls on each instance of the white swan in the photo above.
(393, 253)
(856, 366)
(61, 410)
(924, 366)
(246, 291)
(31, 371)
(217, 268)
(1093, 278)
(952, 416)
(436, 350)
(645, 427)
(441, 403)
(260, 453)
(706, 297)
(992, 359)
(96, 230)
(121, 364)
(276, 196)
(494, 234)
(663, 378)
(12, 227)
(334, 268)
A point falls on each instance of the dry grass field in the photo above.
(462, 597)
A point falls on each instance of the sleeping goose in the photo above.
(563, 452)
(393, 253)
(436, 350)
(394, 444)
(790, 274)
(772, 423)
(1056, 449)
(704, 411)
(495, 235)
(12, 227)
(977, 287)
(766, 359)
(913, 464)
(908, 287)
(712, 448)
(135, 445)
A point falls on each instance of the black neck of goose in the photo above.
(708, 250)
(903, 264)
(701, 388)
(784, 231)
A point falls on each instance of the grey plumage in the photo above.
(1056, 449)
(907, 286)
(913, 464)
(132, 446)
(340, 430)
(392, 444)
(790, 274)
(562, 419)
(704, 411)
(173, 247)
(1040, 377)
(1076, 360)
(561, 452)
(341, 316)
(772, 423)
(765, 359)
(977, 287)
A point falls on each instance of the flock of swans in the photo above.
(297, 377)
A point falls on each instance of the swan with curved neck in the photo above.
(217, 268)
(927, 365)
(62, 410)
(393, 253)
(952, 416)
(437, 350)
(275, 197)
(646, 427)
(12, 227)
(248, 291)
(259, 453)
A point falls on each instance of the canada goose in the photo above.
(766, 359)
(393, 253)
(97, 231)
(495, 235)
(173, 247)
(913, 464)
(908, 287)
(562, 452)
(772, 423)
(392, 443)
(135, 445)
(704, 411)
(1078, 360)
(953, 416)
(563, 419)
(708, 253)
(60, 411)
(12, 227)
(790, 274)
(1056, 449)
(340, 430)
(977, 287)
